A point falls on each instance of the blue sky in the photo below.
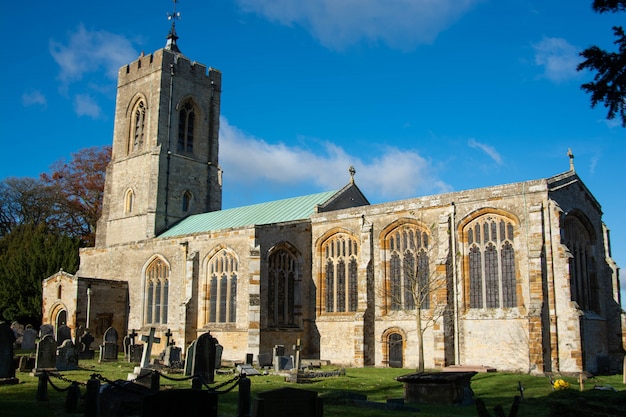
(421, 96)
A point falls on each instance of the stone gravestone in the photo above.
(140, 372)
(46, 353)
(63, 333)
(172, 357)
(86, 340)
(7, 367)
(18, 331)
(189, 358)
(218, 355)
(265, 360)
(108, 350)
(67, 356)
(204, 358)
(287, 402)
(46, 329)
(29, 339)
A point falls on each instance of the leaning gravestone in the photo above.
(7, 368)
(189, 357)
(67, 356)
(63, 333)
(287, 402)
(204, 358)
(46, 353)
(28, 339)
(108, 350)
(46, 329)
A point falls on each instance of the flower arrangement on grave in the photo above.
(560, 384)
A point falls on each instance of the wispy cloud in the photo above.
(558, 58)
(394, 173)
(34, 98)
(489, 150)
(91, 51)
(85, 105)
(401, 24)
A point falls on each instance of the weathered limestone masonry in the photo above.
(518, 276)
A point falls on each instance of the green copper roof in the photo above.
(297, 208)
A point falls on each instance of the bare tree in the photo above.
(416, 279)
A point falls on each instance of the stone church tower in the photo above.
(164, 165)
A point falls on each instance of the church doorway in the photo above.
(60, 320)
(395, 344)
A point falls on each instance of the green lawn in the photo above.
(378, 384)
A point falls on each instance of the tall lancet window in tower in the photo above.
(340, 274)
(491, 272)
(221, 288)
(138, 127)
(281, 291)
(157, 289)
(186, 127)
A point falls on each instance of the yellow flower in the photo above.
(560, 384)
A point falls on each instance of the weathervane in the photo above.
(172, 37)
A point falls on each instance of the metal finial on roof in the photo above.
(172, 37)
(352, 171)
(571, 159)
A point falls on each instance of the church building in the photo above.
(517, 276)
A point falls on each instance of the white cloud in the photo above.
(558, 59)
(400, 24)
(34, 98)
(489, 150)
(393, 174)
(85, 105)
(91, 51)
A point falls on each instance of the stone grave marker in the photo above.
(46, 329)
(172, 357)
(143, 369)
(63, 333)
(126, 345)
(67, 356)
(29, 339)
(265, 360)
(108, 350)
(283, 363)
(78, 333)
(86, 340)
(46, 353)
(287, 402)
(205, 358)
(18, 331)
(247, 369)
(7, 367)
(219, 349)
(189, 356)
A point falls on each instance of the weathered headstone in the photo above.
(46, 353)
(265, 360)
(283, 363)
(189, 357)
(86, 340)
(218, 355)
(204, 358)
(7, 367)
(135, 353)
(287, 402)
(29, 339)
(18, 331)
(438, 387)
(63, 333)
(78, 333)
(108, 350)
(67, 356)
(126, 343)
(278, 350)
(247, 369)
(46, 329)
(172, 356)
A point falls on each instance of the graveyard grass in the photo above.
(377, 383)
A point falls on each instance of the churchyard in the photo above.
(57, 379)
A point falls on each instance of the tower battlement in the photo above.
(167, 61)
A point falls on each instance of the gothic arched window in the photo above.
(408, 272)
(582, 264)
(157, 289)
(492, 281)
(221, 294)
(129, 201)
(186, 127)
(186, 201)
(282, 275)
(137, 127)
(340, 276)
